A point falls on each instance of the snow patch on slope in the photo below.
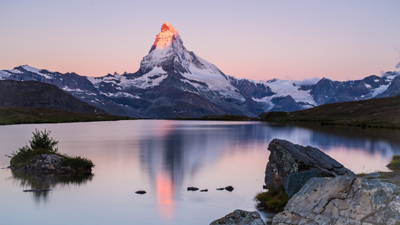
(148, 80)
(15, 71)
(4, 74)
(34, 70)
(284, 88)
(121, 95)
(30, 69)
(379, 90)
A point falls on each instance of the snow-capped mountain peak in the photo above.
(165, 37)
(169, 53)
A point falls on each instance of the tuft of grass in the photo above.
(395, 163)
(275, 199)
(42, 143)
(77, 162)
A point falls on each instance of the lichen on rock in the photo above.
(343, 200)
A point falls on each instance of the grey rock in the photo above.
(192, 188)
(287, 158)
(229, 188)
(240, 217)
(50, 163)
(294, 181)
(342, 200)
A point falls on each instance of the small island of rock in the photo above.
(41, 155)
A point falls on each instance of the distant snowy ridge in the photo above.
(112, 87)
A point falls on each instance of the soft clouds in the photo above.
(398, 65)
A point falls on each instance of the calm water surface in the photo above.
(164, 158)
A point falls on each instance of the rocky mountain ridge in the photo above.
(174, 82)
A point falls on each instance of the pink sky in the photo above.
(344, 39)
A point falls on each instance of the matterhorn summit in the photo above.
(169, 54)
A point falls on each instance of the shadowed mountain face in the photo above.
(174, 82)
(41, 95)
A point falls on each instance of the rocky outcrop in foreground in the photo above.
(240, 217)
(343, 200)
(292, 165)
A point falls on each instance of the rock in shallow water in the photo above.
(240, 217)
(51, 163)
(192, 188)
(229, 188)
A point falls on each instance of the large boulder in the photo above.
(240, 217)
(343, 200)
(287, 158)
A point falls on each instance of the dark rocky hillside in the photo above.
(41, 95)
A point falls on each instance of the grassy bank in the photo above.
(25, 115)
(377, 113)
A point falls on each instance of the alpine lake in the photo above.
(164, 157)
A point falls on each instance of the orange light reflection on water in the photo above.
(165, 192)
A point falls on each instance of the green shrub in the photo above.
(395, 163)
(41, 143)
(274, 199)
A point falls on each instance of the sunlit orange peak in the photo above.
(166, 35)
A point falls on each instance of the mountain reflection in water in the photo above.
(164, 157)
